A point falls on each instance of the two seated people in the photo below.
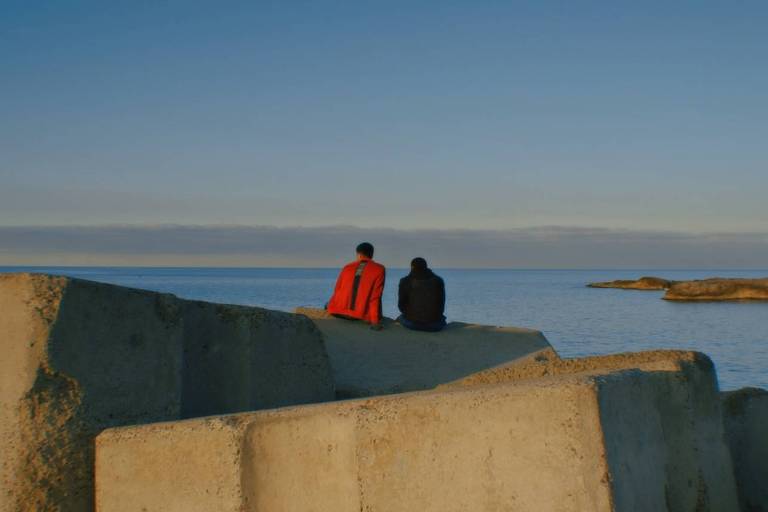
(360, 285)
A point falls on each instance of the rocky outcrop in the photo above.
(719, 289)
(746, 427)
(396, 359)
(644, 283)
(714, 289)
(79, 357)
(589, 437)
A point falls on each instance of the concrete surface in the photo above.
(698, 471)
(396, 359)
(80, 356)
(568, 443)
(746, 426)
(718, 289)
(527, 447)
(654, 360)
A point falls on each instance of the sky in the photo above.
(447, 119)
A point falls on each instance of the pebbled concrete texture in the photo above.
(697, 468)
(527, 447)
(572, 442)
(746, 426)
(396, 360)
(653, 360)
(79, 357)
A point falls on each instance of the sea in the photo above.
(578, 321)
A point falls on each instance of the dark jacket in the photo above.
(421, 297)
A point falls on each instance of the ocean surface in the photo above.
(578, 321)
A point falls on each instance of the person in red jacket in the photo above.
(358, 289)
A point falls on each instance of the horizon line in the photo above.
(264, 267)
(562, 227)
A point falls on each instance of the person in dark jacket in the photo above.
(421, 299)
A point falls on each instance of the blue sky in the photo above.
(403, 115)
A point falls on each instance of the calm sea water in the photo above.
(577, 320)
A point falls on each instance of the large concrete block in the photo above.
(537, 368)
(79, 357)
(746, 426)
(587, 443)
(239, 358)
(698, 471)
(397, 360)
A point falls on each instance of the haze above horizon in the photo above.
(649, 117)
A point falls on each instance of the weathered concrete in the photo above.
(717, 289)
(654, 360)
(644, 283)
(571, 443)
(396, 359)
(80, 356)
(698, 472)
(746, 426)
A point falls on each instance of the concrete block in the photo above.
(587, 443)
(80, 356)
(239, 358)
(397, 360)
(537, 368)
(746, 427)
(698, 471)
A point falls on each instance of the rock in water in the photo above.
(644, 283)
(719, 289)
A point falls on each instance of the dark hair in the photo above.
(419, 264)
(365, 249)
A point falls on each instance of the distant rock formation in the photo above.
(719, 289)
(714, 289)
(644, 283)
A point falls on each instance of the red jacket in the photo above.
(361, 300)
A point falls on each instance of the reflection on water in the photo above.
(577, 320)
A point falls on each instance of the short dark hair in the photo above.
(419, 264)
(365, 249)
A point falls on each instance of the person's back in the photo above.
(359, 287)
(421, 298)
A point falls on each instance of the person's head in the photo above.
(365, 250)
(418, 264)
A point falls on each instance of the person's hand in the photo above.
(376, 327)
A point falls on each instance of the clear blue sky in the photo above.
(477, 115)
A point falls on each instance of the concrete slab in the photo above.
(80, 356)
(397, 360)
(746, 426)
(570, 443)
